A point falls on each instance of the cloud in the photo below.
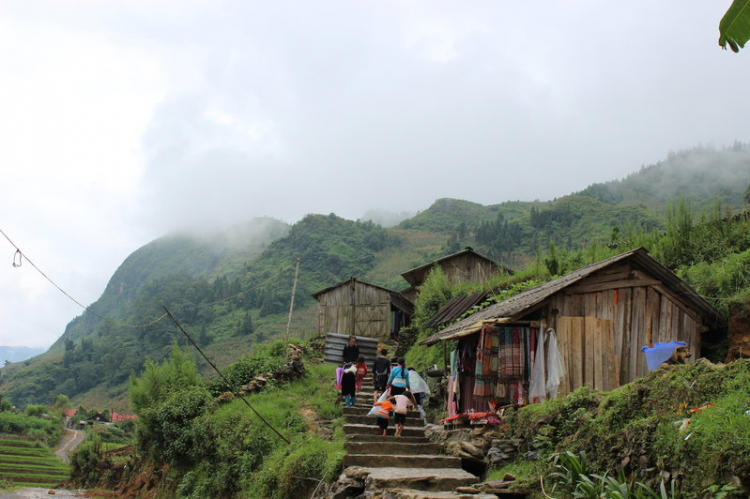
(125, 120)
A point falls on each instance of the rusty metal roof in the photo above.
(516, 306)
(453, 309)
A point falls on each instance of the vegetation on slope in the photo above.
(686, 426)
(217, 447)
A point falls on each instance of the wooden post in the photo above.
(291, 303)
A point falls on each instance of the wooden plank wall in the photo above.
(468, 268)
(364, 311)
(601, 333)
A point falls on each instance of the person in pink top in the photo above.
(401, 404)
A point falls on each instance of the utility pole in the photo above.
(291, 303)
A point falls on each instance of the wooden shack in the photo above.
(602, 315)
(465, 266)
(358, 308)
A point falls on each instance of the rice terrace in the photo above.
(29, 463)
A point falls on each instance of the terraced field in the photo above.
(23, 462)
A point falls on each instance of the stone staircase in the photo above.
(409, 467)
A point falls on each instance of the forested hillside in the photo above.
(233, 289)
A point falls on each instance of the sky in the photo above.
(121, 121)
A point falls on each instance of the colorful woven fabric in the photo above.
(485, 372)
(512, 353)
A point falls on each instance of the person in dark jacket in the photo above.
(351, 351)
(381, 368)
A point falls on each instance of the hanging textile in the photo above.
(554, 365)
(537, 387)
(512, 353)
(485, 372)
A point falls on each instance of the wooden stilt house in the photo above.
(358, 308)
(601, 314)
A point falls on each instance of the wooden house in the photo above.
(465, 266)
(358, 308)
(602, 315)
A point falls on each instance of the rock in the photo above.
(471, 449)
(493, 484)
(509, 477)
(467, 490)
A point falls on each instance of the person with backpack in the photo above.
(381, 368)
(398, 381)
(348, 385)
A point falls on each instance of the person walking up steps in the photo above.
(348, 385)
(398, 381)
(384, 414)
(402, 404)
(381, 368)
(361, 373)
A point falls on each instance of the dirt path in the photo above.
(70, 441)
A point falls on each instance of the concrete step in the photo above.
(388, 438)
(405, 460)
(372, 429)
(356, 419)
(425, 479)
(362, 411)
(396, 446)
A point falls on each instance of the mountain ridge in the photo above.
(232, 289)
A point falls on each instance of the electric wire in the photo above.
(19, 256)
(229, 384)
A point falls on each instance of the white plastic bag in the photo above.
(376, 408)
(417, 384)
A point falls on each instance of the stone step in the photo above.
(395, 446)
(426, 494)
(362, 411)
(405, 460)
(372, 429)
(355, 419)
(425, 479)
(388, 438)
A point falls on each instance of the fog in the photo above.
(123, 121)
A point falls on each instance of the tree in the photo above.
(734, 28)
(62, 402)
(158, 382)
(747, 194)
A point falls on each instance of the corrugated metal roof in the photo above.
(515, 306)
(453, 309)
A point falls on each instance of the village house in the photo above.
(600, 317)
(465, 266)
(358, 308)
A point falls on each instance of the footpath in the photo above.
(408, 467)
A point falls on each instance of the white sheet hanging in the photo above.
(554, 365)
(537, 388)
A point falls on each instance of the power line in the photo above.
(19, 256)
(229, 384)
